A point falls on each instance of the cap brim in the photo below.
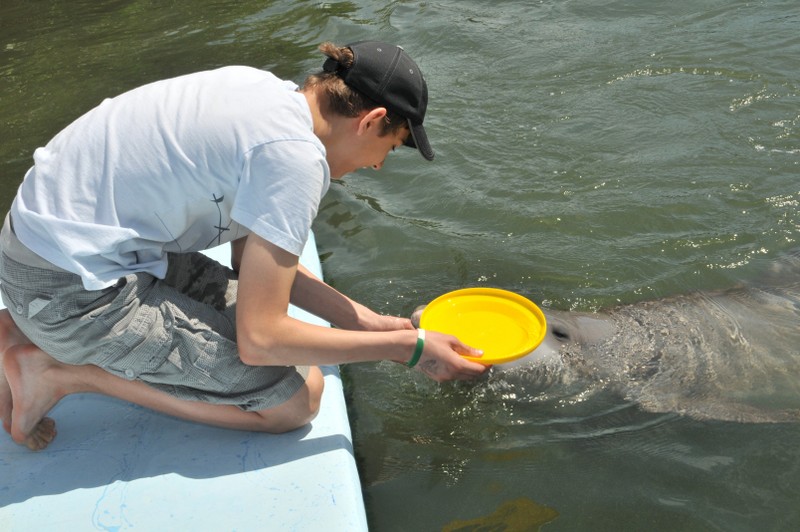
(419, 139)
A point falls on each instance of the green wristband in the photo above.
(418, 349)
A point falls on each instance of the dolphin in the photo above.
(732, 355)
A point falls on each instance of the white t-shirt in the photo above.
(178, 165)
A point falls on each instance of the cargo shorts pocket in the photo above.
(198, 356)
(138, 343)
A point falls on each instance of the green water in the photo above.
(589, 153)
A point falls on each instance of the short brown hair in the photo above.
(341, 99)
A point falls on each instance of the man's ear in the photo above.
(371, 118)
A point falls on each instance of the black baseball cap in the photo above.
(385, 73)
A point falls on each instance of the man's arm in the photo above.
(312, 294)
(267, 335)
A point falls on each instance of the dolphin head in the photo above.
(565, 328)
(562, 328)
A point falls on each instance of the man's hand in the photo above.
(442, 361)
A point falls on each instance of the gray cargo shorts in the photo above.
(177, 334)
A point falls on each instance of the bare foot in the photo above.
(42, 434)
(31, 376)
(9, 335)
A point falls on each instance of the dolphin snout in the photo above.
(416, 315)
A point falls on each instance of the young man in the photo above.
(101, 272)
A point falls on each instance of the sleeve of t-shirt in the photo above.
(281, 186)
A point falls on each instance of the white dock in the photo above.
(115, 466)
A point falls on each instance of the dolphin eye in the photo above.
(561, 334)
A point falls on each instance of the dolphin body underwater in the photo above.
(732, 355)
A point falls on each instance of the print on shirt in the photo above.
(219, 227)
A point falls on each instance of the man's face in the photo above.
(384, 145)
(369, 150)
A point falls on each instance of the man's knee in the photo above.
(315, 384)
(300, 409)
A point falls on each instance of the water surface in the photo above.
(589, 154)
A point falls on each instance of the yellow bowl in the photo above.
(505, 325)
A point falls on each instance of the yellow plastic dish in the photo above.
(505, 325)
